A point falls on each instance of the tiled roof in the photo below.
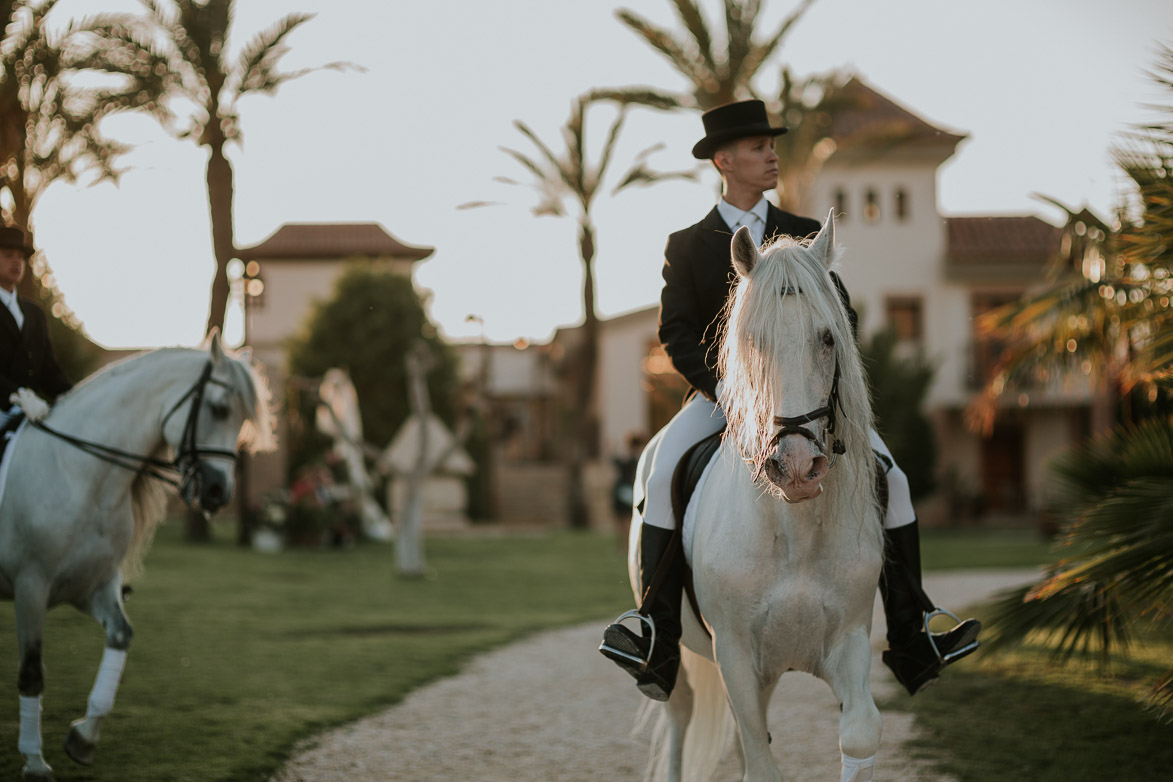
(332, 240)
(868, 116)
(1001, 241)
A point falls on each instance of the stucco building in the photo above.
(285, 275)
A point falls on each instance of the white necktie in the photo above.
(754, 224)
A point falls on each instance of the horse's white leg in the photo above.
(31, 598)
(105, 606)
(679, 709)
(859, 720)
(747, 700)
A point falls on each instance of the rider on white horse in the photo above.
(697, 278)
(28, 369)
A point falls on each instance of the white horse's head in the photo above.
(791, 372)
(225, 407)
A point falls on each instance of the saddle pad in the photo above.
(687, 480)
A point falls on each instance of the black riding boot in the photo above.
(915, 655)
(653, 658)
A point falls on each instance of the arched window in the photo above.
(901, 204)
(840, 204)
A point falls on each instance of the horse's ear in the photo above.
(215, 349)
(744, 252)
(824, 244)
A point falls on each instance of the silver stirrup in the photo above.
(946, 658)
(651, 624)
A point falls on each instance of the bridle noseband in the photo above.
(797, 424)
(186, 463)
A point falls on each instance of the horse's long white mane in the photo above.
(750, 365)
(149, 497)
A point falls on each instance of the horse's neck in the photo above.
(124, 410)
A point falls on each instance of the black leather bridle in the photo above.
(797, 425)
(180, 471)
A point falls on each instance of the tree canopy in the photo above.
(372, 320)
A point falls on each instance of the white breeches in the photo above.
(700, 418)
(696, 420)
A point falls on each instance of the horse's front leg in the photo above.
(31, 598)
(848, 670)
(748, 699)
(106, 606)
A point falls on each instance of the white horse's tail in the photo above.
(710, 732)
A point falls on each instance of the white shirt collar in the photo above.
(11, 302)
(732, 215)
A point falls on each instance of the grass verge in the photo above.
(239, 655)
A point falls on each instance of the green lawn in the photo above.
(960, 549)
(238, 655)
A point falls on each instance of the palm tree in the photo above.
(1113, 318)
(186, 44)
(723, 71)
(567, 183)
(49, 133)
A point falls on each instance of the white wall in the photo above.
(623, 403)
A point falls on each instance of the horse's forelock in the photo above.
(754, 332)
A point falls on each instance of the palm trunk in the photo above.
(219, 176)
(584, 446)
(220, 192)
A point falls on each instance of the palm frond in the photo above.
(1161, 697)
(691, 67)
(256, 69)
(608, 149)
(642, 96)
(1078, 620)
(641, 173)
(759, 53)
(526, 163)
(694, 22)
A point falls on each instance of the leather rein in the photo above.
(178, 472)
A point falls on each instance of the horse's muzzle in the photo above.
(797, 473)
(207, 489)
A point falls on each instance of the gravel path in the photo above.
(552, 708)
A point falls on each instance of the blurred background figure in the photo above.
(623, 490)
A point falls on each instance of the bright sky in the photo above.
(1042, 88)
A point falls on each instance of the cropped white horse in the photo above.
(784, 534)
(86, 490)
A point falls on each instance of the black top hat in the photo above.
(12, 238)
(733, 121)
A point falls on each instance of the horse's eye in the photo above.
(219, 410)
(828, 339)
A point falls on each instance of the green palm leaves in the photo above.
(1108, 316)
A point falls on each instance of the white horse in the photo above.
(784, 534)
(86, 488)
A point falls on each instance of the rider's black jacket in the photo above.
(698, 278)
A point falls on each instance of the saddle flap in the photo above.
(684, 482)
(688, 473)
